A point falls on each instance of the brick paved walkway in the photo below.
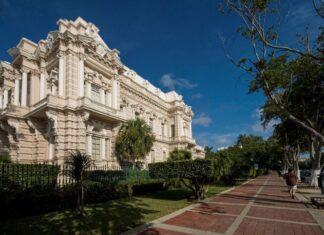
(261, 206)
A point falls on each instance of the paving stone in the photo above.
(265, 200)
(219, 208)
(262, 227)
(160, 231)
(233, 198)
(281, 214)
(202, 221)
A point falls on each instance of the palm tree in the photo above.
(134, 141)
(77, 163)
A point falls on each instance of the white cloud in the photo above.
(197, 96)
(216, 140)
(168, 80)
(257, 113)
(222, 148)
(202, 120)
(258, 128)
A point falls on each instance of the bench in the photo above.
(318, 202)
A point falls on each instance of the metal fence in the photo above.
(25, 176)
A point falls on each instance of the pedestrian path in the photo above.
(261, 206)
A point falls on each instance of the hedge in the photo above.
(23, 176)
(194, 174)
(99, 186)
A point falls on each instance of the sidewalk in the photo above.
(261, 206)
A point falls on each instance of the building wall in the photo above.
(48, 104)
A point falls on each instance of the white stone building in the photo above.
(71, 91)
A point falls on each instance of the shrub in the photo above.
(194, 174)
(180, 155)
(23, 176)
(139, 182)
(104, 176)
(5, 159)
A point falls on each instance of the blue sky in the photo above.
(175, 45)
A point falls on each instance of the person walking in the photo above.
(291, 181)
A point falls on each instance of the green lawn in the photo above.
(112, 217)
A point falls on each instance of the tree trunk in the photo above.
(296, 161)
(315, 157)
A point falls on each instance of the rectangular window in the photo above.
(28, 90)
(151, 124)
(162, 129)
(164, 155)
(95, 93)
(172, 130)
(96, 147)
(9, 96)
(20, 90)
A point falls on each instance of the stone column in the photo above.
(115, 92)
(34, 87)
(180, 126)
(109, 98)
(24, 88)
(89, 144)
(103, 148)
(1, 99)
(61, 73)
(88, 89)
(81, 75)
(17, 91)
(102, 96)
(51, 148)
(190, 130)
(5, 98)
(42, 85)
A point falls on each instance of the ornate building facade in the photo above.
(71, 91)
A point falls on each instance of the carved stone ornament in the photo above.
(52, 122)
(124, 102)
(11, 127)
(53, 77)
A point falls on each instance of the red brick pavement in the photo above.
(261, 206)
(202, 221)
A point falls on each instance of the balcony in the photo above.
(183, 139)
(14, 111)
(100, 110)
(162, 138)
(83, 103)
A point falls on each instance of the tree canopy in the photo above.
(134, 141)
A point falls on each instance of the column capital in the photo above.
(116, 77)
(83, 57)
(60, 54)
(34, 72)
(24, 70)
(42, 70)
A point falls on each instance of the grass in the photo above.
(112, 217)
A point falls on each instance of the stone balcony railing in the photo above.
(184, 139)
(100, 109)
(15, 111)
(162, 138)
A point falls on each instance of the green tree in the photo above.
(209, 152)
(290, 78)
(77, 163)
(194, 174)
(179, 155)
(293, 141)
(134, 141)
